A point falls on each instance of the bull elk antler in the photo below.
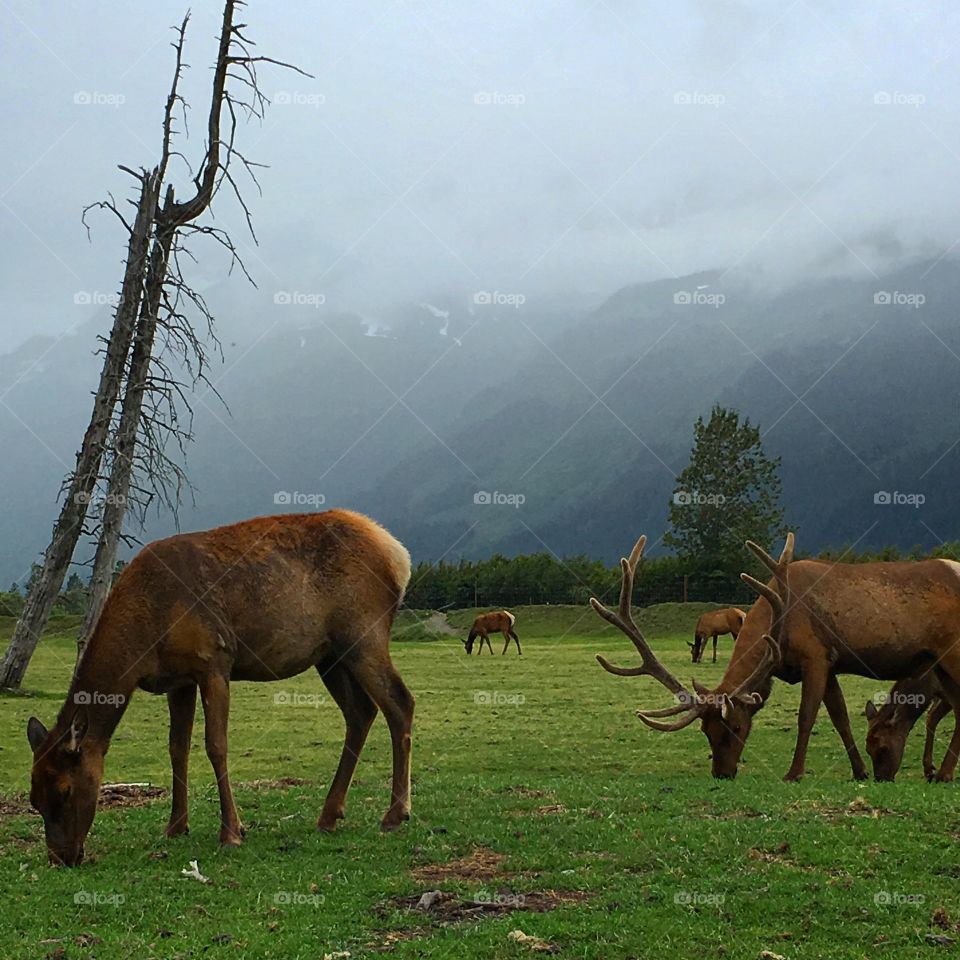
(650, 666)
(693, 705)
(772, 655)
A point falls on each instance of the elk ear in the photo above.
(36, 734)
(870, 711)
(725, 704)
(78, 728)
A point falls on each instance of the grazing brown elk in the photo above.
(714, 624)
(264, 599)
(488, 623)
(889, 725)
(813, 621)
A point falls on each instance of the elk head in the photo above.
(696, 649)
(468, 645)
(887, 730)
(725, 715)
(64, 787)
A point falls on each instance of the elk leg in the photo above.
(813, 687)
(388, 691)
(715, 638)
(516, 640)
(837, 708)
(951, 693)
(182, 704)
(359, 712)
(506, 643)
(487, 638)
(215, 696)
(940, 709)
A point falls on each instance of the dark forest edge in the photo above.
(541, 578)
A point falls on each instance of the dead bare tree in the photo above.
(156, 299)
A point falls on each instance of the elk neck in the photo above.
(103, 682)
(748, 650)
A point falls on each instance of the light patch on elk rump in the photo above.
(513, 619)
(396, 553)
(954, 566)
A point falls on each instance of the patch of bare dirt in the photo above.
(15, 806)
(445, 908)
(780, 856)
(858, 807)
(481, 863)
(125, 795)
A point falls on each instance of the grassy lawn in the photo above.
(535, 787)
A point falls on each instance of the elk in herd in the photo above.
(812, 621)
(713, 624)
(889, 725)
(487, 623)
(265, 599)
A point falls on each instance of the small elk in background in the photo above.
(487, 623)
(889, 725)
(714, 624)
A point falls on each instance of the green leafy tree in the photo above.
(729, 493)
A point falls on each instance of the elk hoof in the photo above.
(393, 820)
(327, 822)
(792, 777)
(942, 777)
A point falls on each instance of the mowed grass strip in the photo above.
(541, 805)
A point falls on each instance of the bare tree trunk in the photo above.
(79, 487)
(125, 441)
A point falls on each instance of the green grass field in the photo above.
(535, 787)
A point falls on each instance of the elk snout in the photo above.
(66, 857)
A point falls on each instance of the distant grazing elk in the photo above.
(488, 623)
(889, 726)
(713, 624)
(813, 621)
(264, 599)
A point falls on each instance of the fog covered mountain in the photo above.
(575, 419)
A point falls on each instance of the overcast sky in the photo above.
(550, 148)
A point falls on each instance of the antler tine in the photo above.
(767, 592)
(623, 621)
(776, 567)
(786, 555)
(763, 557)
(693, 714)
(760, 674)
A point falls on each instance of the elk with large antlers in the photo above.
(813, 621)
(261, 600)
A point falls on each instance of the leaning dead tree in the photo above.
(154, 354)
